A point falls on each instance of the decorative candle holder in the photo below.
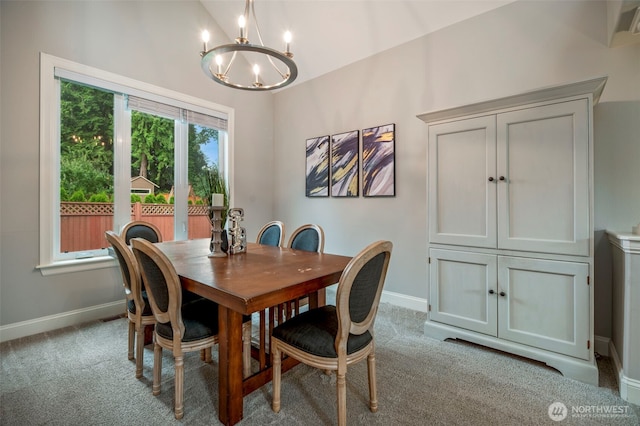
(215, 217)
(237, 235)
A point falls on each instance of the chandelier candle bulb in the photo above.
(241, 24)
(287, 41)
(256, 71)
(205, 39)
(219, 64)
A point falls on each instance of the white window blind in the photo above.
(147, 101)
(206, 120)
(173, 112)
(153, 107)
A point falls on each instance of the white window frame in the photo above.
(49, 262)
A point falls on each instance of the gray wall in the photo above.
(154, 42)
(517, 48)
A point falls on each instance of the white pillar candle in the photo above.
(217, 200)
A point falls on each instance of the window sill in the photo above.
(76, 265)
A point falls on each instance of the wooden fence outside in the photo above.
(82, 225)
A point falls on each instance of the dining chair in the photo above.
(308, 237)
(271, 234)
(332, 337)
(142, 229)
(138, 309)
(180, 326)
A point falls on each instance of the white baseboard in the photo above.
(629, 388)
(601, 345)
(397, 299)
(65, 319)
(404, 301)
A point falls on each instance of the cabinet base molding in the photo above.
(577, 369)
(629, 388)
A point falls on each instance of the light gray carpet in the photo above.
(81, 376)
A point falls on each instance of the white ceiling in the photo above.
(328, 35)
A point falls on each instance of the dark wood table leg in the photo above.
(148, 334)
(230, 366)
(318, 299)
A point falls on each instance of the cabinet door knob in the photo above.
(502, 293)
(501, 178)
(491, 179)
(491, 291)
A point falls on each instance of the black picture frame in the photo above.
(317, 167)
(378, 161)
(345, 167)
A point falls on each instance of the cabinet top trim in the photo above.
(593, 86)
(627, 242)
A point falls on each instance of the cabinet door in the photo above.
(459, 290)
(543, 201)
(544, 304)
(462, 158)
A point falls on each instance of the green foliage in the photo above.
(99, 198)
(86, 116)
(86, 139)
(172, 200)
(152, 148)
(160, 199)
(200, 137)
(198, 202)
(64, 196)
(77, 196)
(79, 173)
(215, 183)
(86, 144)
(135, 198)
(150, 199)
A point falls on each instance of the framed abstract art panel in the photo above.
(344, 164)
(317, 170)
(378, 161)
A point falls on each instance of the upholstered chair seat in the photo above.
(332, 337)
(315, 332)
(200, 319)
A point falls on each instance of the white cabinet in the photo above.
(625, 339)
(510, 222)
(462, 201)
(540, 303)
(524, 172)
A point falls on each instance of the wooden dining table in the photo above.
(242, 284)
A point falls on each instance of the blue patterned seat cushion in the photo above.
(315, 332)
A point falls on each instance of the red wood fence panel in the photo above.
(82, 225)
